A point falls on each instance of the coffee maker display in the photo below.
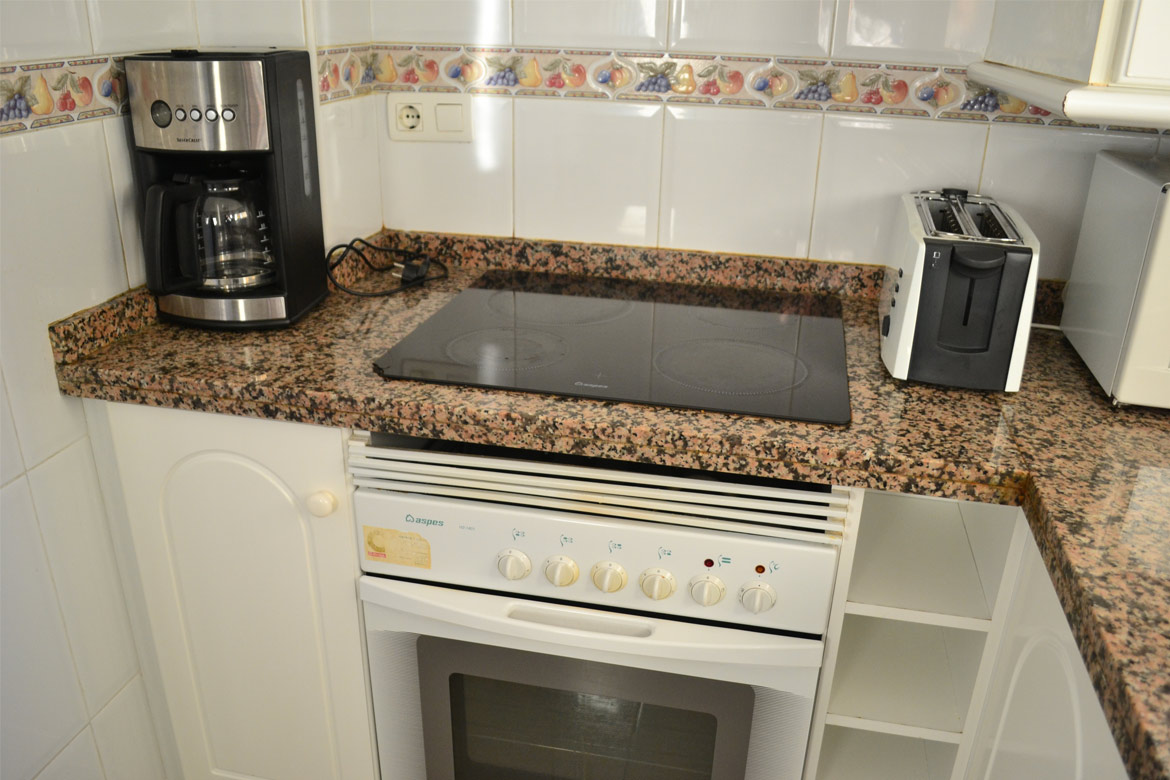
(225, 167)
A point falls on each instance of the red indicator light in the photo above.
(708, 563)
(760, 569)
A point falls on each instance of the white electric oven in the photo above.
(528, 617)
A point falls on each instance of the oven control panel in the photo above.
(695, 573)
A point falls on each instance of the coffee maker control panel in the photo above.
(198, 105)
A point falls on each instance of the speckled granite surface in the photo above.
(1095, 480)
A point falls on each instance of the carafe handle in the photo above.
(168, 267)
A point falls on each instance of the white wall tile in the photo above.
(60, 252)
(40, 29)
(340, 21)
(125, 736)
(451, 187)
(442, 21)
(868, 163)
(78, 761)
(639, 24)
(941, 31)
(347, 157)
(795, 28)
(69, 506)
(11, 461)
(134, 25)
(125, 201)
(253, 23)
(587, 171)
(1044, 174)
(739, 181)
(41, 708)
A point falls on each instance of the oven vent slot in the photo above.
(762, 510)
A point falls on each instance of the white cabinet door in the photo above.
(1041, 718)
(250, 594)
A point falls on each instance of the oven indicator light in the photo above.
(760, 568)
(708, 563)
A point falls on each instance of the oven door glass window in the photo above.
(491, 712)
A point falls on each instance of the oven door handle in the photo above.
(478, 617)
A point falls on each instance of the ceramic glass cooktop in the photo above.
(719, 349)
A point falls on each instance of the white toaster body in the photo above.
(905, 335)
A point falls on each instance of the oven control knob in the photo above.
(561, 570)
(757, 597)
(657, 583)
(609, 577)
(707, 590)
(514, 564)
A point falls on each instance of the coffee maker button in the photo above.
(228, 115)
(211, 115)
(195, 115)
(180, 114)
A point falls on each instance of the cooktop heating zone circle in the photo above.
(558, 309)
(513, 349)
(730, 367)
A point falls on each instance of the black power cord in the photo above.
(411, 268)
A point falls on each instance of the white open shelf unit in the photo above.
(913, 637)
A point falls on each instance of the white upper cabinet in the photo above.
(1112, 51)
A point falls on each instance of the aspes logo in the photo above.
(424, 521)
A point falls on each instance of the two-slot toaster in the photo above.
(959, 307)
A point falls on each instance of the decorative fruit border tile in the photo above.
(762, 82)
(46, 94)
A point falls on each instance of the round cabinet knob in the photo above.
(513, 564)
(757, 597)
(609, 577)
(322, 503)
(657, 583)
(707, 590)
(561, 570)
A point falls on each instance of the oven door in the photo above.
(476, 686)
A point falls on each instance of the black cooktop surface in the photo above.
(720, 349)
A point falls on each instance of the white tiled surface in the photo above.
(60, 252)
(78, 761)
(347, 158)
(739, 181)
(250, 23)
(442, 21)
(639, 24)
(37, 29)
(11, 463)
(340, 21)
(134, 25)
(588, 172)
(69, 506)
(867, 164)
(1044, 174)
(125, 736)
(794, 28)
(41, 708)
(451, 187)
(953, 32)
(1047, 36)
(117, 146)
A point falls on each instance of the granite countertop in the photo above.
(1094, 479)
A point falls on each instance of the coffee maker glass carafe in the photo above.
(231, 236)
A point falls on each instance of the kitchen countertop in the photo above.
(1094, 479)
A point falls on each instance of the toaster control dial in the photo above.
(757, 597)
(514, 564)
(609, 577)
(707, 590)
(561, 570)
(657, 583)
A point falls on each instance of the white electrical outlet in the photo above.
(429, 116)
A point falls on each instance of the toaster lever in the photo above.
(979, 258)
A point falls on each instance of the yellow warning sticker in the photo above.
(390, 546)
